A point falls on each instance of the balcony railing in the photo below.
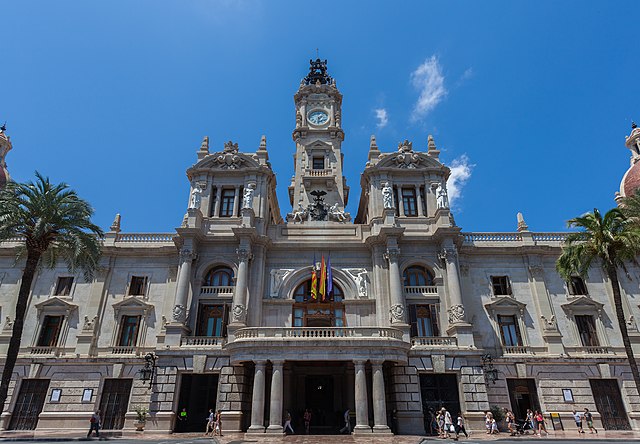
(124, 350)
(516, 350)
(217, 291)
(200, 341)
(434, 341)
(145, 237)
(53, 351)
(593, 350)
(421, 290)
(318, 173)
(303, 333)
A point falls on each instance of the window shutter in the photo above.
(413, 320)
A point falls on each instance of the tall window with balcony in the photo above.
(418, 280)
(317, 163)
(310, 312)
(129, 329)
(587, 330)
(501, 285)
(218, 281)
(577, 286)
(409, 202)
(212, 320)
(50, 331)
(509, 331)
(227, 202)
(63, 286)
(424, 320)
(138, 286)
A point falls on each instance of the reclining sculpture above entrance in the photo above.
(318, 210)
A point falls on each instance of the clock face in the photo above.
(318, 117)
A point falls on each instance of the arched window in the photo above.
(416, 276)
(219, 277)
(318, 312)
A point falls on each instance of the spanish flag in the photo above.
(314, 280)
(323, 280)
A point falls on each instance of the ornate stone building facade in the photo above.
(415, 314)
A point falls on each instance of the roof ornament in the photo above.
(230, 147)
(115, 225)
(522, 225)
(633, 125)
(204, 148)
(405, 147)
(318, 73)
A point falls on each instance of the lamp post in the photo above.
(490, 373)
(149, 370)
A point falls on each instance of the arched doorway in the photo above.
(315, 312)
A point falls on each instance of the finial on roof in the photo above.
(262, 153)
(204, 148)
(374, 151)
(405, 147)
(3, 128)
(115, 226)
(522, 225)
(318, 73)
(633, 125)
(263, 142)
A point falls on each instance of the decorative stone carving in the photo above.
(438, 363)
(164, 323)
(179, 313)
(549, 324)
(115, 226)
(196, 198)
(464, 269)
(89, 324)
(299, 214)
(229, 158)
(318, 210)
(185, 221)
(187, 255)
(239, 313)
(397, 314)
(336, 214)
(387, 195)
(631, 323)
(442, 200)
(448, 255)
(247, 198)
(522, 225)
(277, 278)
(392, 254)
(407, 158)
(361, 278)
(244, 254)
(8, 324)
(456, 314)
(298, 119)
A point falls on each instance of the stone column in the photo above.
(275, 417)
(400, 204)
(419, 201)
(182, 286)
(395, 286)
(257, 399)
(455, 310)
(236, 201)
(362, 405)
(216, 209)
(239, 309)
(379, 399)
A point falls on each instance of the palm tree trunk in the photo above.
(21, 307)
(622, 323)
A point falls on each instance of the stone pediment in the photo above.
(132, 304)
(406, 158)
(56, 304)
(505, 304)
(582, 304)
(228, 159)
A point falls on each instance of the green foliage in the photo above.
(497, 412)
(141, 413)
(53, 221)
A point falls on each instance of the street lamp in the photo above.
(149, 370)
(490, 373)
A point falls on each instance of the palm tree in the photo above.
(612, 240)
(54, 224)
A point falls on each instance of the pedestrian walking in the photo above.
(307, 420)
(287, 423)
(448, 422)
(511, 422)
(211, 419)
(530, 419)
(347, 422)
(94, 424)
(577, 416)
(217, 426)
(460, 426)
(541, 424)
(589, 418)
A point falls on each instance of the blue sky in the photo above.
(531, 100)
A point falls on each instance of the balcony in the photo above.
(45, 351)
(217, 291)
(592, 350)
(318, 173)
(318, 343)
(516, 350)
(428, 290)
(434, 341)
(202, 341)
(134, 351)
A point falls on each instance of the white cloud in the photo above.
(429, 81)
(382, 116)
(460, 174)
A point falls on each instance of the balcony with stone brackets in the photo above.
(326, 176)
(517, 350)
(217, 291)
(318, 343)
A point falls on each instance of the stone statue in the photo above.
(456, 314)
(277, 279)
(89, 324)
(337, 214)
(387, 195)
(196, 198)
(298, 214)
(361, 283)
(442, 199)
(247, 198)
(397, 314)
(179, 314)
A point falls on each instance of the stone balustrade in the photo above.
(318, 173)
(434, 341)
(553, 237)
(516, 350)
(497, 239)
(124, 351)
(202, 341)
(420, 290)
(491, 237)
(145, 238)
(593, 350)
(318, 333)
(217, 291)
(52, 351)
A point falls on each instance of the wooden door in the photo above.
(609, 404)
(114, 402)
(29, 403)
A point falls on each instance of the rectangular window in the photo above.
(63, 286)
(509, 331)
(212, 320)
(227, 201)
(577, 287)
(409, 202)
(212, 208)
(424, 320)
(50, 331)
(318, 163)
(501, 285)
(423, 201)
(129, 331)
(587, 330)
(138, 286)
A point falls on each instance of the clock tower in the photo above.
(318, 190)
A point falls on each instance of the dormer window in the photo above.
(577, 286)
(318, 163)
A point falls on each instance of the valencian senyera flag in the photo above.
(314, 280)
(323, 280)
(329, 277)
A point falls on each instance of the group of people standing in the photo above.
(445, 426)
(214, 423)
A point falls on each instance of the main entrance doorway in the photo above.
(197, 395)
(609, 404)
(29, 404)
(438, 390)
(523, 396)
(323, 388)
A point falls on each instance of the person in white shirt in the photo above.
(460, 426)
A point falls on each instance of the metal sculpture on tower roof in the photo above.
(318, 73)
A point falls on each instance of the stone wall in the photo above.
(234, 397)
(405, 396)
